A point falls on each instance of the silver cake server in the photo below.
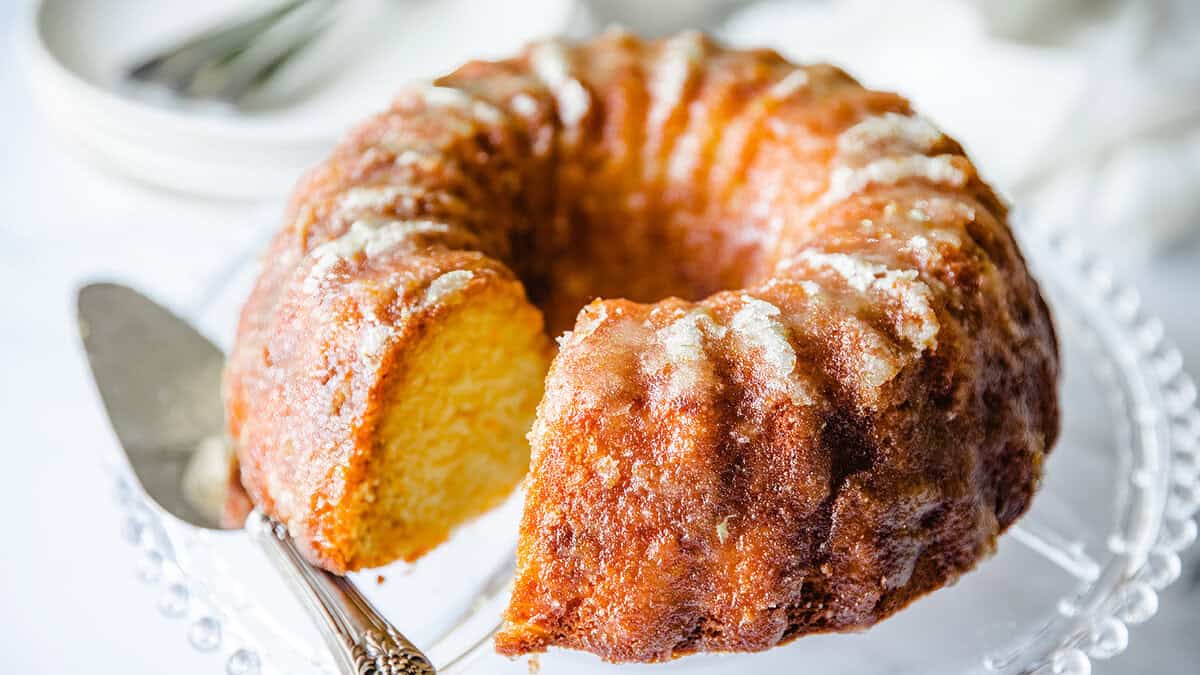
(160, 383)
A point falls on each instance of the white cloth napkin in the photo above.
(1086, 114)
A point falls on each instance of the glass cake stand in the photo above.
(1100, 542)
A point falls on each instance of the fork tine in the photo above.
(176, 66)
(231, 79)
(246, 77)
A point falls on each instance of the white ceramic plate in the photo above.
(74, 52)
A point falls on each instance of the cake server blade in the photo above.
(160, 381)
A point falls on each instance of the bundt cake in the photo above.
(819, 382)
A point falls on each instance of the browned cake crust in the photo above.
(722, 469)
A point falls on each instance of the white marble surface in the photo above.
(69, 599)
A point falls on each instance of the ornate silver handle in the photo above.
(362, 641)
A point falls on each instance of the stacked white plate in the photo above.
(76, 50)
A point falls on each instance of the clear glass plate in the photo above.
(1101, 540)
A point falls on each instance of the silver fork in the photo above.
(227, 62)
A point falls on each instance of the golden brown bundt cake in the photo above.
(844, 397)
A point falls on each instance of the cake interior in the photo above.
(451, 442)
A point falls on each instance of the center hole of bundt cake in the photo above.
(642, 254)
